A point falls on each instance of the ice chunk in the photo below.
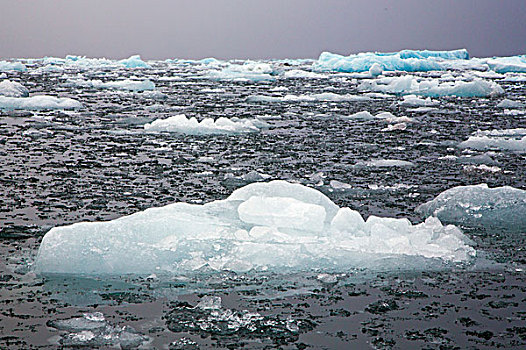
(302, 74)
(7, 66)
(415, 101)
(507, 139)
(384, 163)
(249, 71)
(324, 97)
(409, 84)
(181, 124)
(127, 84)
(13, 89)
(480, 206)
(276, 225)
(38, 102)
(507, 103)
(134, 62)
(406, 60)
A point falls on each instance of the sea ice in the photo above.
(38, 102)
(181, 124)
(507, 139)
(415, 101)
(12, 89)
(249, 71)
(507, 64)
(276, 225)
(384, 163)
(409, 84)
(303, 74)
(480, 206)
(507, 103)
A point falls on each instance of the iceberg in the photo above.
(12, 89)
(274, 225)
(507, 140)
(480, 206)
(409, 84)
(38, 102)
(134, 62)
(181, 124)
(406, 60)
(127, 84)
(8, 66)
(323, 97)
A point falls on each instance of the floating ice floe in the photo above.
(249, 72)
(276, 225)
(507, 103)
(127, 84)
(406, 60)
(480, 206)
(384, 163)
(507, 139)
(516, 78)
(415, 101)
(303, 74)
(12, 89)
(409, 84)
(8, 66)
(38, 102)
(323, 97)
(85, 62)
(94, 331)
(181, 124)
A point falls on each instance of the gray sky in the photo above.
(257, 29)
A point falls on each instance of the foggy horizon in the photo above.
(252, 30)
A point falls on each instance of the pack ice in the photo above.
(480, 206)
(276, 225)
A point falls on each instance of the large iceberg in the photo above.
(506, 139)
(277, 226)
(413, 85)
(38, 102)
(406, 60)
(181, 124)
(480, 206)
(13, 89)
(507, 64)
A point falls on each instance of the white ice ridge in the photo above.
(8, 66)
(506, 139)
(480, 206)
(414, 85)
(323, 97)
(181, 124)
(126, 84)
(38, 102)
(406, 60)
(275, 225)
(12, 89)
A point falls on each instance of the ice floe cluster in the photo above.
(275, 225)
(507, 139)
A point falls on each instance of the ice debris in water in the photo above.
(9, 66)
(233, 324)
(507, 140)
(127, 84)
(274, 225)
(249, 71)
(181, 124)
(38, 102)
(302, 74)
(480, 206)
(92, 330)
(384, 163)
(324, 97)
(415, 101)
(410, 84)
(365, 115)
(406, 60)
(12, 89)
